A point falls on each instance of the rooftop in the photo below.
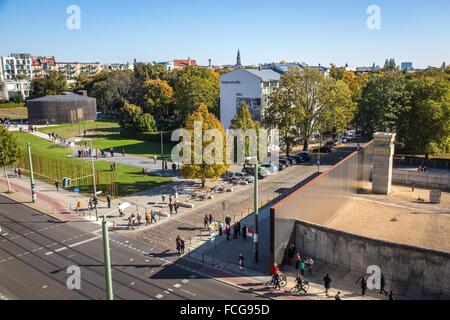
(265, 74)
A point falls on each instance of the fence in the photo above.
(417, 161)
(51, 169)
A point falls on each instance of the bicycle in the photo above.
(299, 288)
(282, 280)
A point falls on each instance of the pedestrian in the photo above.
(114, 166)
(130, 223)
(175, 206)
(383, 285)
(363, 283)
(121, 214)
(337, 297)
(239, 228)
(227, 232)
(302, 267)
(171, 208)
(297, 261)
(182, 246)
(290, 253)
(139, 218)
(220, 228)
(16, 171)
(210, 219)
(227, 220)
(163, 197)
(19, 172)
(205, 222)
(174, 166)
(90, 204)
(57, 185)
(327, 283)
(153, 216)
(112, 152)
(170, 199)
(108, 199)
(178, 244)
(241, 262)
(235, 230)
(244, 232)
(147, 219)
(123, 153)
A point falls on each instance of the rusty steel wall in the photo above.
(319, 200)
(66, 109)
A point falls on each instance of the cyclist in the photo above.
(299, 283)
(276, 276)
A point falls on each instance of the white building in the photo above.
(17, 65)
(72, 70)
(13, 88)
(252, 86)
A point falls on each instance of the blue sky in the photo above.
(319, 31)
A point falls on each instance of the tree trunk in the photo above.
(305, 145)
(7, 179)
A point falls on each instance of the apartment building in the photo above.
(72, 70)
(16, 66)
(42, 66)
(10, 89)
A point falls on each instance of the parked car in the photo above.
(292, 160)
(323, 150)
(244, 177)
(228, 176)
(262, 172)
(271, 167)
(303, 157)
(283, 164)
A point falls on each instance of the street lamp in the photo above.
(256, 209)
(106, 253)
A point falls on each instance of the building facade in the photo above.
(17, 66)
(42, 66)
(72, 70)
(250, 86)
(10, 89)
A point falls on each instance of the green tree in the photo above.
(204, 170)
(133, 119)
(243, 120)
(9, 152)
(195, 86)
(424, 127)
(50, 85)
(158, 96)
(383, 99)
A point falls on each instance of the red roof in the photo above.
(37, 61)
(185, 63)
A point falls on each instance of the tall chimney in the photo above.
(210, 63)
(189, 61)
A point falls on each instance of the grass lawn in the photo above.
(131, 146)
(74, 130)
(107, 135)
(13, 113)
(129, 179)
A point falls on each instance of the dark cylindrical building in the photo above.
(61, 109)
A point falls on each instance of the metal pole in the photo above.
(33, 187)
(162, 145)
(256, 205)
(318, 157)
(93, 181)
(107, 260)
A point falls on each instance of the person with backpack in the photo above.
(327, 283)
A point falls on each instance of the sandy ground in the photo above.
(398, 218)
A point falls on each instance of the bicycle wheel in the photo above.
(283, 283)
(306, 287)
(295, 291)
(269, 284)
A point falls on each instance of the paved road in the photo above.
(36, 250)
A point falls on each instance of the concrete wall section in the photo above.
(434, 180)
(425, 269)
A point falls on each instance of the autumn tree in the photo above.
(158, 97)
(205, 168)
(242, 122)
(195, 86)
(9, 152)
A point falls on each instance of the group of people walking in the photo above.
(179, 245)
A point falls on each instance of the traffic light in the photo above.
(64, 182)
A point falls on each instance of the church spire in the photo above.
(238, 59)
